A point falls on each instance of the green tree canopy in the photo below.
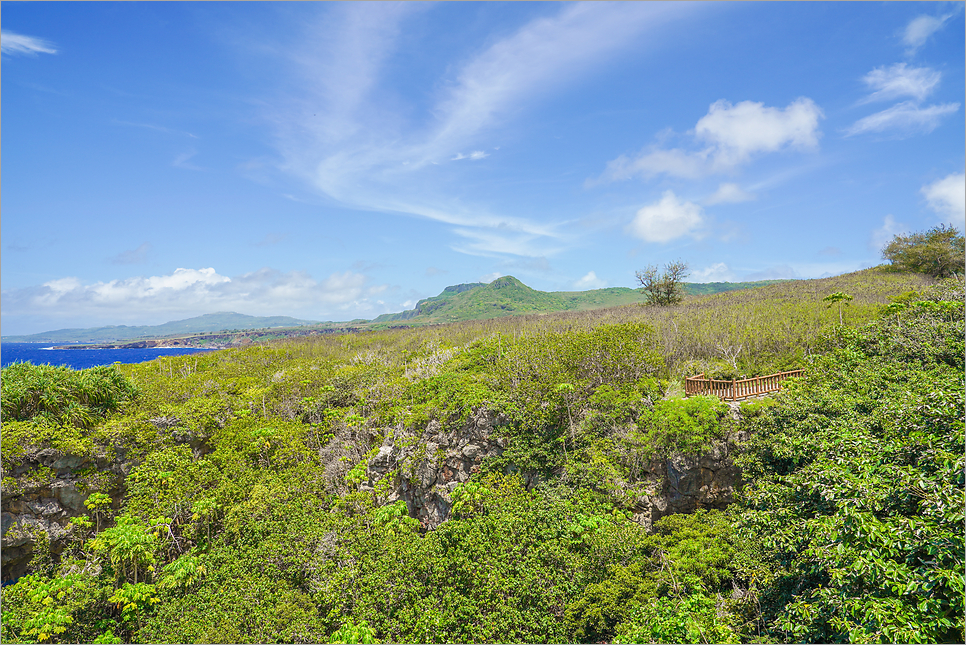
(663, 288)
(939, 252)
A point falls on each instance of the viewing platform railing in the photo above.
(737, 389)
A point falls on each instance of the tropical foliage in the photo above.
(248, 513)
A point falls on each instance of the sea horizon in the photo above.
(44, 353)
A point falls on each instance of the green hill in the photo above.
(206, 323)
(507, 296)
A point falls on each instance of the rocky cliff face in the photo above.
(49, 488)
(424, 474)
(684, 484)
(43, 493)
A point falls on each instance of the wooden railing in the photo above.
(734, 389)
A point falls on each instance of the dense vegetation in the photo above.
(248, 515)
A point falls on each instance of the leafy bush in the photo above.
(686, 425)
(62, 396)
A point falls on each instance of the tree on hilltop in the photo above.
(939, 252)
(663, 288)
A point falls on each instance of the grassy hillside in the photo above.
(206, 323)
(268, 494)
(507, 296)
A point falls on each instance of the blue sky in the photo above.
(337, 161)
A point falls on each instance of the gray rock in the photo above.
(67, 494)
(46, 506)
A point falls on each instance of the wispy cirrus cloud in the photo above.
(476, 154)
(194, 292)
(899, 80)
(727, 137)
(921, 28)
(14, 44)
(903, 119)
(346, 133)
(729, 193)
(906, 117)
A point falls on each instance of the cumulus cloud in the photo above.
(884, 234)
(490, 277)
(589, 281)
(739, 131)
(193, 292)
(668, 219)
(13, 44)
(133, 256)
(898, 81)
(919, 30)
(717, 272)
(731, 135)
(947, 196)
(904, 119)
(730, 194)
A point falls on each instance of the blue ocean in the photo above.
(40, 353)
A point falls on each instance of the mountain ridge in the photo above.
(218, 321)
(504, 296)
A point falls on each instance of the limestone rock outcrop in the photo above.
(426, 469)
(426, 472)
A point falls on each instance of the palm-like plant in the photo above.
(129, 543)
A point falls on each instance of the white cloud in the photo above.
(733, 135)
(476, 154)
(193, 292)
(740, 131)
(344, 131)
(17, 44)
(947, 196)
(674, 162)
(589, 281)
(730, 194)
(490, 277)
(718, 272)
(884, 234)
(904, 118)
(501, 241)
(667, 219)
(920, 29)
(897, 81)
